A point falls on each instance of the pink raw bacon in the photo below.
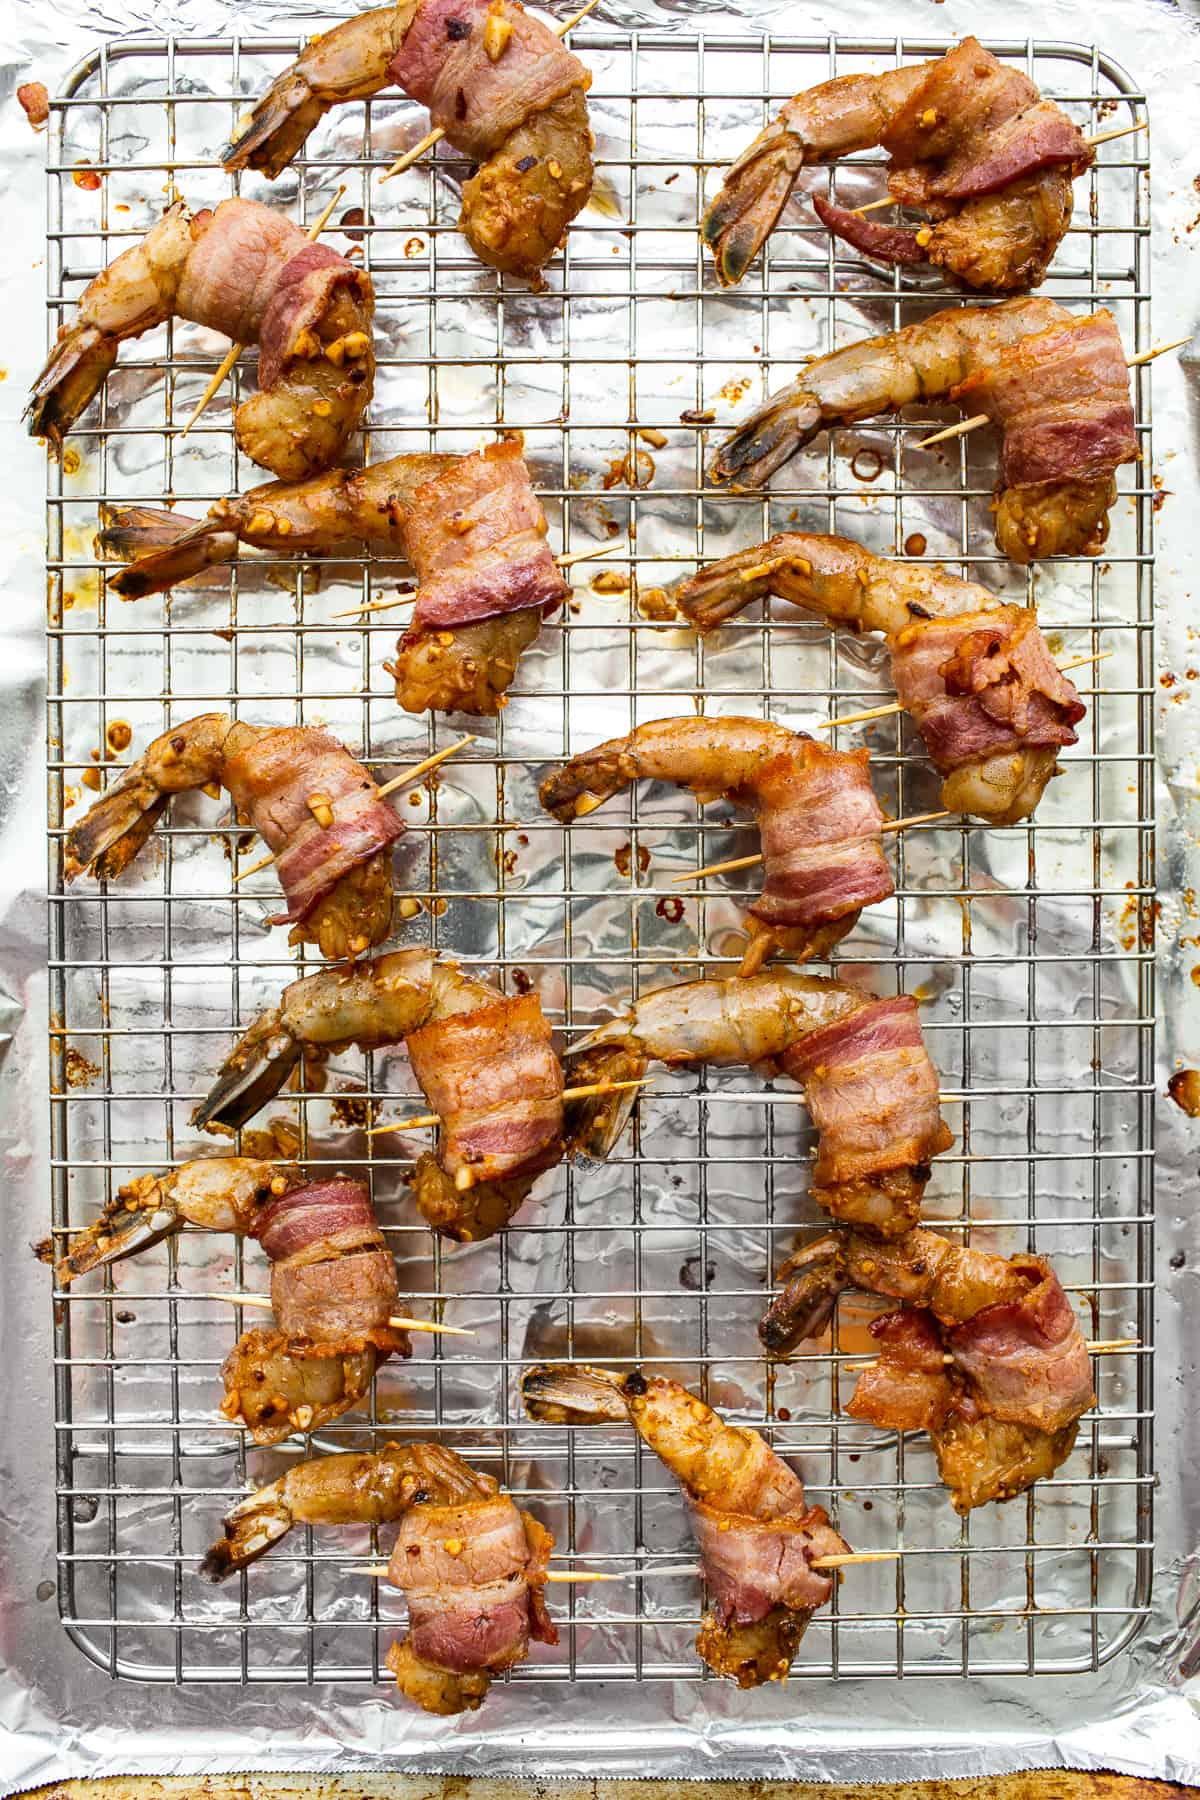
(476, 537)
(820, 824)
(1026, 1358)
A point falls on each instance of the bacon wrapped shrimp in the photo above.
(471, 1563)
(975, 676)
(820, 822)
(869, 1085)
(245, 270)
(985, 1353)
(756, 1533)
(1055, 384)
(313, 803)
(472, 527)
(498, 83)
(971, 142)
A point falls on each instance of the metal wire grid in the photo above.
(1032, 947)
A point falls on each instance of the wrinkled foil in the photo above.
(60, 1715)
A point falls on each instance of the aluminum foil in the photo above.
(60, 1715)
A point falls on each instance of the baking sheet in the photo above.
(680, 1725)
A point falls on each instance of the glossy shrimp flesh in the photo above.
(247, 271)
(275, 1392)
(991, 769)
(313, 803)
(497, 82)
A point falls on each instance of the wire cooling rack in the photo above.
(1030, 948)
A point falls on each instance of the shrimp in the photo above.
(498, 83)
(996, 755)
(483, 1060)
(869, 1085)
(1030, 365)
(818, 816)
(248, 272)
(970, 140)
(165, 548)
(315, 805)
(756, 1533)
(347, 1489)
(216, 1193)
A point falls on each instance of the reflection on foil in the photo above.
(153, 1491)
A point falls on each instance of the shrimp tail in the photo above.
(251, 1075)
(76, 369)
(593, 1124)
(118, 1232)
(574, 1394)
(769, 437)
(278, 126)
(613, 1032)
(163, 548)
(755, 192)
(257, 1523)
(114, 830)
(812, 1280)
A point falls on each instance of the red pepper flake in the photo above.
(88, 180)
(35, 101)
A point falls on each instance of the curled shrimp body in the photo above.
(868, 1082)
(1056, 385)
(995, 766)
(247, 271)
(757, 1535)
(217, 1193)
(348, 1489)
(369, 505)
(314, 804)
(497, 82)
(816, 811)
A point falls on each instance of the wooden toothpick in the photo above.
(881, 712)
(425, 1120)
(746, 862)
(437, 134)
(564, 562)
(1095, 1347)
(235, 350)
(399, 781)
(400, 1322)
(1136, 362)
(1107, 137)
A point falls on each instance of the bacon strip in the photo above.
(1061, 398)
(819, 821)
(476, 537)
(254, 276)
(272, 782)
(872, 1093)
(974, 126)
(1027, 1359)
(294, 1222)
(478, 103)
(752, 1565)
(494, 1079)
(980, 683)
(339, 1304)
(908, 1389)
(472, 1576)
